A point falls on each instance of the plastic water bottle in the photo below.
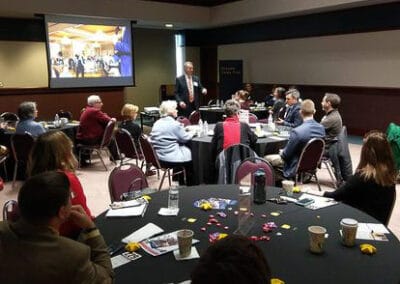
(173, 197)
(259, 193)
(56, 120)
(271, 124)
(205, 127)
(200, 130)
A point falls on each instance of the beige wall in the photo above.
(365, 59)
(23, 64)
(154, 65)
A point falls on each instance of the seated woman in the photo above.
(129, 113)
(27, 112)
(234, 259)
(244, 100)
(278, 108)
(231, 131)
(53, 151)
(168, 137)
(372, 188)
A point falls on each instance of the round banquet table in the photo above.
(205, 171)
(215, 114)
(287, 254)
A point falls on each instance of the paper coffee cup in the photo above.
(287, 186)
(185, 242)
(349, 231)
(317, 238)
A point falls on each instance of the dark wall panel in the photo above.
(363, 19)
(22, 29)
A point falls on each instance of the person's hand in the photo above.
(80, 218)
(204, 91)
(182, 105)
(113, 119)
(279, 121)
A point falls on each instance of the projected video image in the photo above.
(89, 51)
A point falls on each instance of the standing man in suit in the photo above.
(32, 250)
(299, 136)
(292, 116)
(187, 91)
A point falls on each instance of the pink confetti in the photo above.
(226, 227)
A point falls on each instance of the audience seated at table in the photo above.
(270, 98)
(372, 188)
(27, 112)
(231, 131)
(299, 136)
(129, 113)
(53, 151)
(169, 137)
(244, 100)
(292, 116)
(31, 249)
(234, 259)
(279, 105)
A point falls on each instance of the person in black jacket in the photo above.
(129, 113)
(372, 188)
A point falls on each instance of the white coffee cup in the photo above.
(287, 186)
(349, 231)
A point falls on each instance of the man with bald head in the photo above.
(187, 91)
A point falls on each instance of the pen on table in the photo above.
(145, 208)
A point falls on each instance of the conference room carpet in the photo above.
(94, 180)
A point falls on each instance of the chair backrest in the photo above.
(11, 211)
(311, 155)
(21, 146)
(253, 118)
(194, 117)
(108, 134)
(251, 165)
(149, 153)
(125, 178)
(11, 118)
(229, 160)
(183, 120)
(126, 144)
(66, 114)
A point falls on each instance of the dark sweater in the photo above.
(367, 196)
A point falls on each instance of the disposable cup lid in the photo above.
(349, 222)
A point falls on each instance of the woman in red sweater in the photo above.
(53, 151)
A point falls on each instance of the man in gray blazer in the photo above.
(187, 91)
(31, 249)
(299, 136)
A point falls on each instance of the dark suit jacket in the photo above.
(182, 91)
(36, 255)
(293, 117)
(299, 136)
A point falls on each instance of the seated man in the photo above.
(31, 249)
(92, 122)
(299, 136)
(27, 112)
(332, 121)
(234, 259)
(292, 116)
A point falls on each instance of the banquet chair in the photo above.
(151, 158)
(309, 160)
(67, 114)
(3, 158)
(194, 117)
(393, 136)
(229, 160)
(21, 145)
(250, 166)
(183, 120)
(125, 178)
(108, 136)
(127, 147)
(10, 211)
(253, 118)
(11, 118)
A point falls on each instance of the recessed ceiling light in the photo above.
(169, 25)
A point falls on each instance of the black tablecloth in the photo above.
(288, 254)
(213, 115)
(204, 162)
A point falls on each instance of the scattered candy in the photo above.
(226, 227)
(221, 214)
(146, 197)
(213, 220)
(285, 226)
(275, 214)
(264, 216)
(209, 223)
(236, 212)
(211, 216)
(368, 249)
(254, 238)
(132, 246)
(252, 214)
(264, 238)
(279, 234)
(277, 281)
(216, 237)
(296, 189)
(206, 206)
(203, 229)
(218, 224)
(230, 208)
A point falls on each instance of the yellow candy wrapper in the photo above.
(368, 249)
(296, 189)
(131, 247)
(277, 281)
(146, 197)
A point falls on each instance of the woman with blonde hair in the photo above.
(53, 151)
(372, 188)
(129, 113)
